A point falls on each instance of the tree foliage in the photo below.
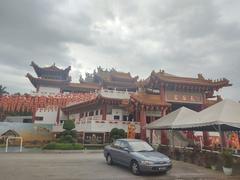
(3, 90)
(117, 134)
(69, 135)
(227, 158)
(69, 125)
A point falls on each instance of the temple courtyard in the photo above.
(81, 166)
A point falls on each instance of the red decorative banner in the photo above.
(28, 103)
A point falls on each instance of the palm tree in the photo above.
(3, 90)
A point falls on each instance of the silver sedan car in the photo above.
(138, 155)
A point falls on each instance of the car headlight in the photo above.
(145, 162)
(167, 160)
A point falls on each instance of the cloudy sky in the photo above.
(184, 38)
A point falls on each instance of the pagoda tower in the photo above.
(50, 80)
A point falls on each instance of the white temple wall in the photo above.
(48, 90)
(48, 117)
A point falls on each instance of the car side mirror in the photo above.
(126, 149)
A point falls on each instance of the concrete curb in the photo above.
(57, 151)
(72, 151)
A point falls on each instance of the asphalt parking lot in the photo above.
(84, 166)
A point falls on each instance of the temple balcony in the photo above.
(96, 124)
(114, 94)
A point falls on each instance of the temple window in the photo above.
(116, 117)
(91, 113)
(38, 118)
(125, 117)
(96, 113)
(81, 115)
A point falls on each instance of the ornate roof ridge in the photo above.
(53, 68)
(200, 79)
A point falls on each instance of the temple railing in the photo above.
(99, 125)
(114, 94)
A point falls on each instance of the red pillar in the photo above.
(34, 116)
(58, 116)
(164, 137)
(206, 141)
(143, 124)
(190, 135)
(223, 139)
(151, 136)
(137, 115)
(162, 92)
(104, 112)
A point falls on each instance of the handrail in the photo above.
(21, 141)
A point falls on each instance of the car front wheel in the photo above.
(109, 159)
(135, 168)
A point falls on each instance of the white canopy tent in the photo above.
(223, 116)
(174, 119)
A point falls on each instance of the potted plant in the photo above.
(177, 154)
(213, 159)
(227, 161)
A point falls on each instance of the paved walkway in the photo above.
(84, 166)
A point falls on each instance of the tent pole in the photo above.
(221, 136)
(151, 136)
(173, 143)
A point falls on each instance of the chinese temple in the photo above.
(107, 98)
(53, 80)
(195, 93)
(112, 79)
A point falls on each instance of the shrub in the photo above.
(117, 134)
(69, 125)
(69, 135)
(73, 133)
(207, 159)
(227, 158)
(213, 159)
(164, 150)
(177, 154)
(67, 139)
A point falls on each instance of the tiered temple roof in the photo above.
(156, 79)
(52, 72)
(116, 80)
(46, 82)
(99, 98)
(137, 98)
(148, 99)
(112, 79)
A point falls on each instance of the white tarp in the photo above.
(226, 112)
(173, 119)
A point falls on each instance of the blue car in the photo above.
(138, 155)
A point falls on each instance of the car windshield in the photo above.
(139, 146)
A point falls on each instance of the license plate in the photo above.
(161, 168)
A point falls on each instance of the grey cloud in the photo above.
(183, 37)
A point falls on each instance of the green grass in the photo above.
(94, 147)
(63, 146)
